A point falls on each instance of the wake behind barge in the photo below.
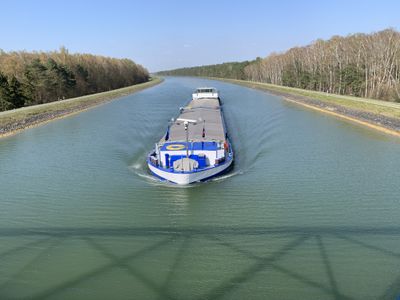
(196, 145)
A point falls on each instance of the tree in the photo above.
(5, 101)
(41, 77)
(365, 65)
(59, 79)
(35, 88)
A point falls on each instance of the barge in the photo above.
(195, 146)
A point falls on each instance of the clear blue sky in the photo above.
(176, 33)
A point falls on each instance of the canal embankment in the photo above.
(14, 121)
(377, 114)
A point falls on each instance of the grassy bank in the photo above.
(377, 114)
(389, 109)
(15, 120)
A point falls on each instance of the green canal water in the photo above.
(311, 209)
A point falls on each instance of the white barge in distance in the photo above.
(196, 145)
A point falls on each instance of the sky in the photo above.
(163, 35)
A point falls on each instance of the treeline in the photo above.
(42, 77)
(234, 70)
(365, 65)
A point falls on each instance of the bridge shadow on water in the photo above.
(222, 240)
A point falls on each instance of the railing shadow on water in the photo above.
(222, 236)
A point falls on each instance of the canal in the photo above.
(310, 210)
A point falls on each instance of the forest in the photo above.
(363, 65)
(29, 78)
(233, 70)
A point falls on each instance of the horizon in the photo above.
(165, 35)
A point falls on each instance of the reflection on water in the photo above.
(309, 211)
